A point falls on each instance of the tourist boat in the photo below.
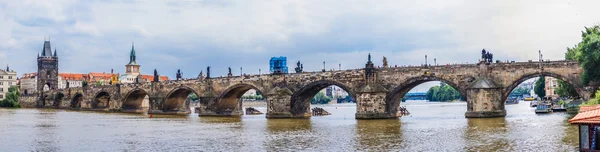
(533, 104)
(512, 101)
(543, 108)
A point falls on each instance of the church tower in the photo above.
(47, 74)
(132, 68)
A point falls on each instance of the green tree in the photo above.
(320, 98)
(11, 98)
(539, 87)
(587, 53)
(444, 92)
(565, 89)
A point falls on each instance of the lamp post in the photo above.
(425, 60)
(241, 72)
(259, 72)
(434, 61)
(323, 66)
(340, 65)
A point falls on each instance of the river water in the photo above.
(430, 127)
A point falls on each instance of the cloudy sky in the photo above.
(190, 35)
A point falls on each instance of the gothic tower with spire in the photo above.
(132, 68)
(47, 74)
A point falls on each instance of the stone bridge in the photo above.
(378, 91)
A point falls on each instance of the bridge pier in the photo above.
(484, 99)
(371, 103)
(279, 103)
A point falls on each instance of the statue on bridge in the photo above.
(229, 74)
(208, 72)
(178, 75)
(385, 63)
(299, 67)
(486, 56)
(369, 57)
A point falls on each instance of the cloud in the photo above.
(190, 35)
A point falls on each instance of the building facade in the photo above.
(8, 78)
(550, 87)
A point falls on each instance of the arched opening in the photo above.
(421, 92)
(549, 89)
(47, 87)
(136, 100)
(230, 101)
(101, 101)
(76, 101)
(179, 100)
(319, 93)
(58, 97)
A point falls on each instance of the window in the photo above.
(9, 77)
(1, 96)
(9, 83)
(1, 89)
(1, 83)
(1, 77)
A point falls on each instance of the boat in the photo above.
(512, 100)
(533, 104)
(529, 99)
(542, 109)
(557, 108)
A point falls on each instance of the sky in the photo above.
(96, 36)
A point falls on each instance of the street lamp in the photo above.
(434, 61)
(241, 72)
(323, 66)
(259, 72)
(425, 60)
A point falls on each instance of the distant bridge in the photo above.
(415, 96)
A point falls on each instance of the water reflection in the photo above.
(487, 134)
(288, 125)
(212, 120)
(45, 131)
(379, 135)
(291, 134)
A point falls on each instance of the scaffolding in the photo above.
(278, 65)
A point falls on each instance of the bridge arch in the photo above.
(134, 99)
(175, 100)
(58, 98)
(300, 101)
(230, 100)
(76, 101)
(395, 96)
(574, 82)
(101, 100)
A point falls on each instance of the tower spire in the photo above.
(132, 54)
(55, 52)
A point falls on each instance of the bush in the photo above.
(594, 101)
(11, 99)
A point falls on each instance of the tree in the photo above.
(444, 92)
(565, 89)
(11, 98)
(320, 98)
(540, 87)
(587, 53)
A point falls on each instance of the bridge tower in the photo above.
(47, 74)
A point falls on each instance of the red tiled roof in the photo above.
(72, 76)
(588, 117)
(151, 77)
(588, 108)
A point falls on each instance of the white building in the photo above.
(8, 78)
(132, 69)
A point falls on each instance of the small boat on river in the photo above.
(542, 109)
(533, 103)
